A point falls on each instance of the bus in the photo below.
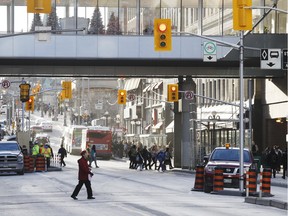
(72, 138)
(99, 136)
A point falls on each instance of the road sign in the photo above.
(131, 97)
(6, 84)
(99, 106)
(270, 58)
(284, 59)
(189, 95)
(209, 52)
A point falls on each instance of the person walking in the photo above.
(93, 157)
(84, 176)
(63, 153)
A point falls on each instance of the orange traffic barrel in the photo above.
(199, 179)
(266, 181)
(28, 164)
(218, 180)
(40, 163)
(252, 181)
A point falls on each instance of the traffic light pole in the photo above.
(241, 123)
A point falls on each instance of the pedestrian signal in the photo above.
(24, 92)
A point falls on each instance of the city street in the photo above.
(119, 191)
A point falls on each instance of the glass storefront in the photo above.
(135, 17)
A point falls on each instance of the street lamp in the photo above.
(214, 117)
(106, 115)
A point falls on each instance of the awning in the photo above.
(147, 127)
(170, 127)
(146, 88)
(132, 84)
(158, 85)
(158, 125)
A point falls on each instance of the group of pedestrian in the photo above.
(42, 150)
(142, 158)
(273, 158)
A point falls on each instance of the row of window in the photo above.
(134, 16)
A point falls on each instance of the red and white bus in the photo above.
(99, 136)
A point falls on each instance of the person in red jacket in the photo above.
(83, 177)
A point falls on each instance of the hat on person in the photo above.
(83, 152)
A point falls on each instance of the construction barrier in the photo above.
(28, 164)
(199, 179)
(251, 180)
(41, 164)
(218, 180)
(55, 161)
(265, 184)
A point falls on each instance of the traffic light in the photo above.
(67, 89)
(162, 35)
(39, 6)
(61, 96)
(29, 105)
(122, 96)
(172, 92)
(24, 92)
(242, 16)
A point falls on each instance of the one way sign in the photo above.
(270, 58)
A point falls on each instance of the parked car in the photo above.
(36, 128)
(228, 159)
(11, 157)
(46, 126)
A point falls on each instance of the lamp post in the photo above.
(214, 117)
(106, 115)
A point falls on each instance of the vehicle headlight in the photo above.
(210, 168)
(20, 158)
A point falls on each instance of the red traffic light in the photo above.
(162, 27)
(30, 100)
(173, 88)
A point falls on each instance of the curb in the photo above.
(267, 202)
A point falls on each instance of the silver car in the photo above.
(11, 157)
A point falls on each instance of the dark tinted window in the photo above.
(9, 147)
(96, 135)
(229, 155)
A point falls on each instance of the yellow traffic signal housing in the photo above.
(29, 105)
(162, 35)
(24, 92)
(122, 96)
(61, 96)
(242, 15)
(39, 6)
(67, 90)
(172, 93)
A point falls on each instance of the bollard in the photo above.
(247, 182)
(199, 179)
(41, 164)
(218, 180)
(261, 172)
(252, 181)
(266, 182)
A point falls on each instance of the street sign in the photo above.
(270, 58)
(5, 84)
(131, 97)
(284, 59)
(99, 106)
(209, 52)
(189, 95)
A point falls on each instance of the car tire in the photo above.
(207, 188)
(20, 172)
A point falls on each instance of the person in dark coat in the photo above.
(284, 163)
(84, 176)
(63, 153)
(272, 159)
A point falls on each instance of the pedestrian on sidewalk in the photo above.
(84, 176)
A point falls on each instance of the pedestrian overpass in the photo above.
(56, 55)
